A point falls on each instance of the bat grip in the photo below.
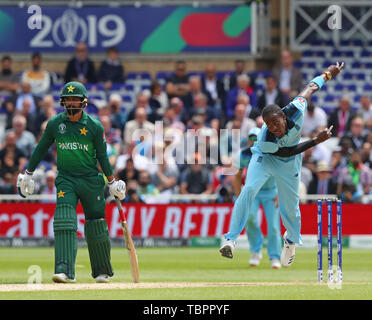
(120, 208)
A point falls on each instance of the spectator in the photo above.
(214, 86)
(112, 135)
(31, 118)
(166, 176)
(366, 154)
(49, 187)
(246, 123)
(170, 120)
(12, 159)
(243, 86)
(139, 122)
(202, 108)
(239, 70)
(132, 194)
(47, 111)
(272, 95)
(322, 182)
(196, 178)
(314, 118)
(356, 173)
(180, 113)
(289, 77)
(341, 118)
(145, 187)
(8, 80)
(15, 103)
(356, 133)
(158, 98)
(177, 85)
(38, 78)
(129, 172)
(251, 113)
(8, 183)
(259, 121)
(195, 85)
(25, 139)
(365, 110)
(143, 102)
(117, 115)
(111, 71)
(80, 68)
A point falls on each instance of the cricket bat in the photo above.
(129, 244)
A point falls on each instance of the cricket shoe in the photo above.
(103, 278)
(62, 278)
(275, 264)
(227, 248)
(255, 259)
(288, 252)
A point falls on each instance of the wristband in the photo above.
(319, 81)
(328, 75)
(28, 173)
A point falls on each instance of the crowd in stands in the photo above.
(200, 101)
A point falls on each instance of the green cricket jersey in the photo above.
(79, 145)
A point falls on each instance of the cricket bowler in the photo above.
(80, 142)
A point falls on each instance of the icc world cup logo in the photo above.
(69, 29)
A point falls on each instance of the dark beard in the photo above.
(72, 111)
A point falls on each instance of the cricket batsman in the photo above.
(282, 130)
(80, 142)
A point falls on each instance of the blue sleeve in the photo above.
(300, 103)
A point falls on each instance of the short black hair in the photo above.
(6, 58)
(271, 109)
(36, 54)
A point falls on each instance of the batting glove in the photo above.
(117, 189)
(25, 184)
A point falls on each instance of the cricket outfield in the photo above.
(184, 274)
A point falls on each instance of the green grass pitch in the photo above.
(204, 272)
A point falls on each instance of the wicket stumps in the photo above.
(330, 275)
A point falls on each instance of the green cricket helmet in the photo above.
(74, 89)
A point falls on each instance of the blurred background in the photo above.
(202, 65)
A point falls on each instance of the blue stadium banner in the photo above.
(167, 29)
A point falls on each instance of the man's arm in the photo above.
(317, 82)
(324, 135)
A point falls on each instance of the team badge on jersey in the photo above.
(62, 128)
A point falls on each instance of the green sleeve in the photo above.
(41, 149)
(101, 151)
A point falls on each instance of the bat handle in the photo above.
(121, 211)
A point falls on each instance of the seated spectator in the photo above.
(12, 159)
(215, 87)
(170, 120)
(365, 110)
(158, 98)
(196, 178)
(15, 103)
(38, 78)
(356, 133)
(259, 121)
(243, 86)
(180, 113)
(112, 135)
(80, 67)
(117, 116)
(355, 173)
(272, 95)
(166, 176)
(111, 71)
(239, 70)
(246, 123)
(129, 172)
(145, 187)
(366, 154)
(195, 89)
(25, 140)
(139, 122)
(8, 79)
(49, 187)
(132, 193)
(289, 77)
(341, 118)
(314, 119)
(322, 182)
(351, 194)
(143, 102)
(8, 183)
(31, 118)
(177, 85)
(251, 113)
(202, 108)
(47, 111)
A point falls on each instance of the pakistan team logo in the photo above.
(62, 128)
